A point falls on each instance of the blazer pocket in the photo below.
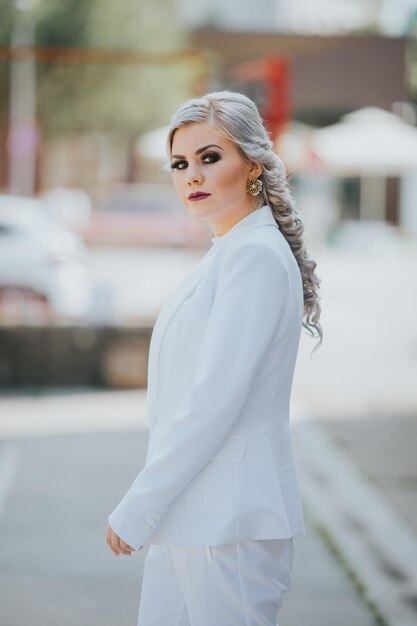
(232, 450)
(196, 302)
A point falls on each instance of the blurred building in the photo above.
(321, 17)
(234, 14)
(330, 75)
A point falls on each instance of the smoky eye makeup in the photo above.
(212, 156)
(175, 165)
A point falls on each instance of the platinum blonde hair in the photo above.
(237, 117)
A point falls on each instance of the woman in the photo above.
(218, 497)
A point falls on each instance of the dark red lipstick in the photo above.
(198, 195)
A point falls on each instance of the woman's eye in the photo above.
(213, 156)
(176, 165)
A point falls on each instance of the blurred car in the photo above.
(144, 214)
(39, 256)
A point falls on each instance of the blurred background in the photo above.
(93, 239)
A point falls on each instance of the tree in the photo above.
(106, 94)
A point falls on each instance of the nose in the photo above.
(194, 175)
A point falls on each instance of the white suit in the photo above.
(220, 466)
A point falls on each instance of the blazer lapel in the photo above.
(163, 320)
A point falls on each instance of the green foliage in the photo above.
(127, 97)
(5, 21)
(126, 24)
(134, 24)
(63, 23)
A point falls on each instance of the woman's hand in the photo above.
(117, 545)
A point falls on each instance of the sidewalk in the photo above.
(385, 449)
(322, 593)
(359, 482)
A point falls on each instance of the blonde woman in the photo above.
(217, 500)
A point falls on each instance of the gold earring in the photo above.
(254, 186)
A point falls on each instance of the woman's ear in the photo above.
(255, 170)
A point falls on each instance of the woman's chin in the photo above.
(198, 210)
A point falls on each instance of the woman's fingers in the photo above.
(125, 548)
(109, 541)
(116, 544)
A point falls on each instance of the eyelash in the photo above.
(208, 154)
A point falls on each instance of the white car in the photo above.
(39, 255)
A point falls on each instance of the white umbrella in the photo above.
(151, 145)
(292, 146)
(370, 141)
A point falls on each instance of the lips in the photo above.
(198, 195)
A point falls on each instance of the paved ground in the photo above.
(371, 535)
(59, 480)
(385, 449)
(56, 568)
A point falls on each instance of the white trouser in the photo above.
(237, 584)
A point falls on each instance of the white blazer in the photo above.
(220, 465)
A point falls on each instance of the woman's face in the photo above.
(204, 161)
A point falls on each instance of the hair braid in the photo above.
(278, 194)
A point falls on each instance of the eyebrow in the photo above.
(210, 145)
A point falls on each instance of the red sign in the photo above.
(273, 74)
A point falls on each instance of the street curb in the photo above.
(377, 547)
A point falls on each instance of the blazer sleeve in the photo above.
(249, 312)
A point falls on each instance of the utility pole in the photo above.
(23, 138)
